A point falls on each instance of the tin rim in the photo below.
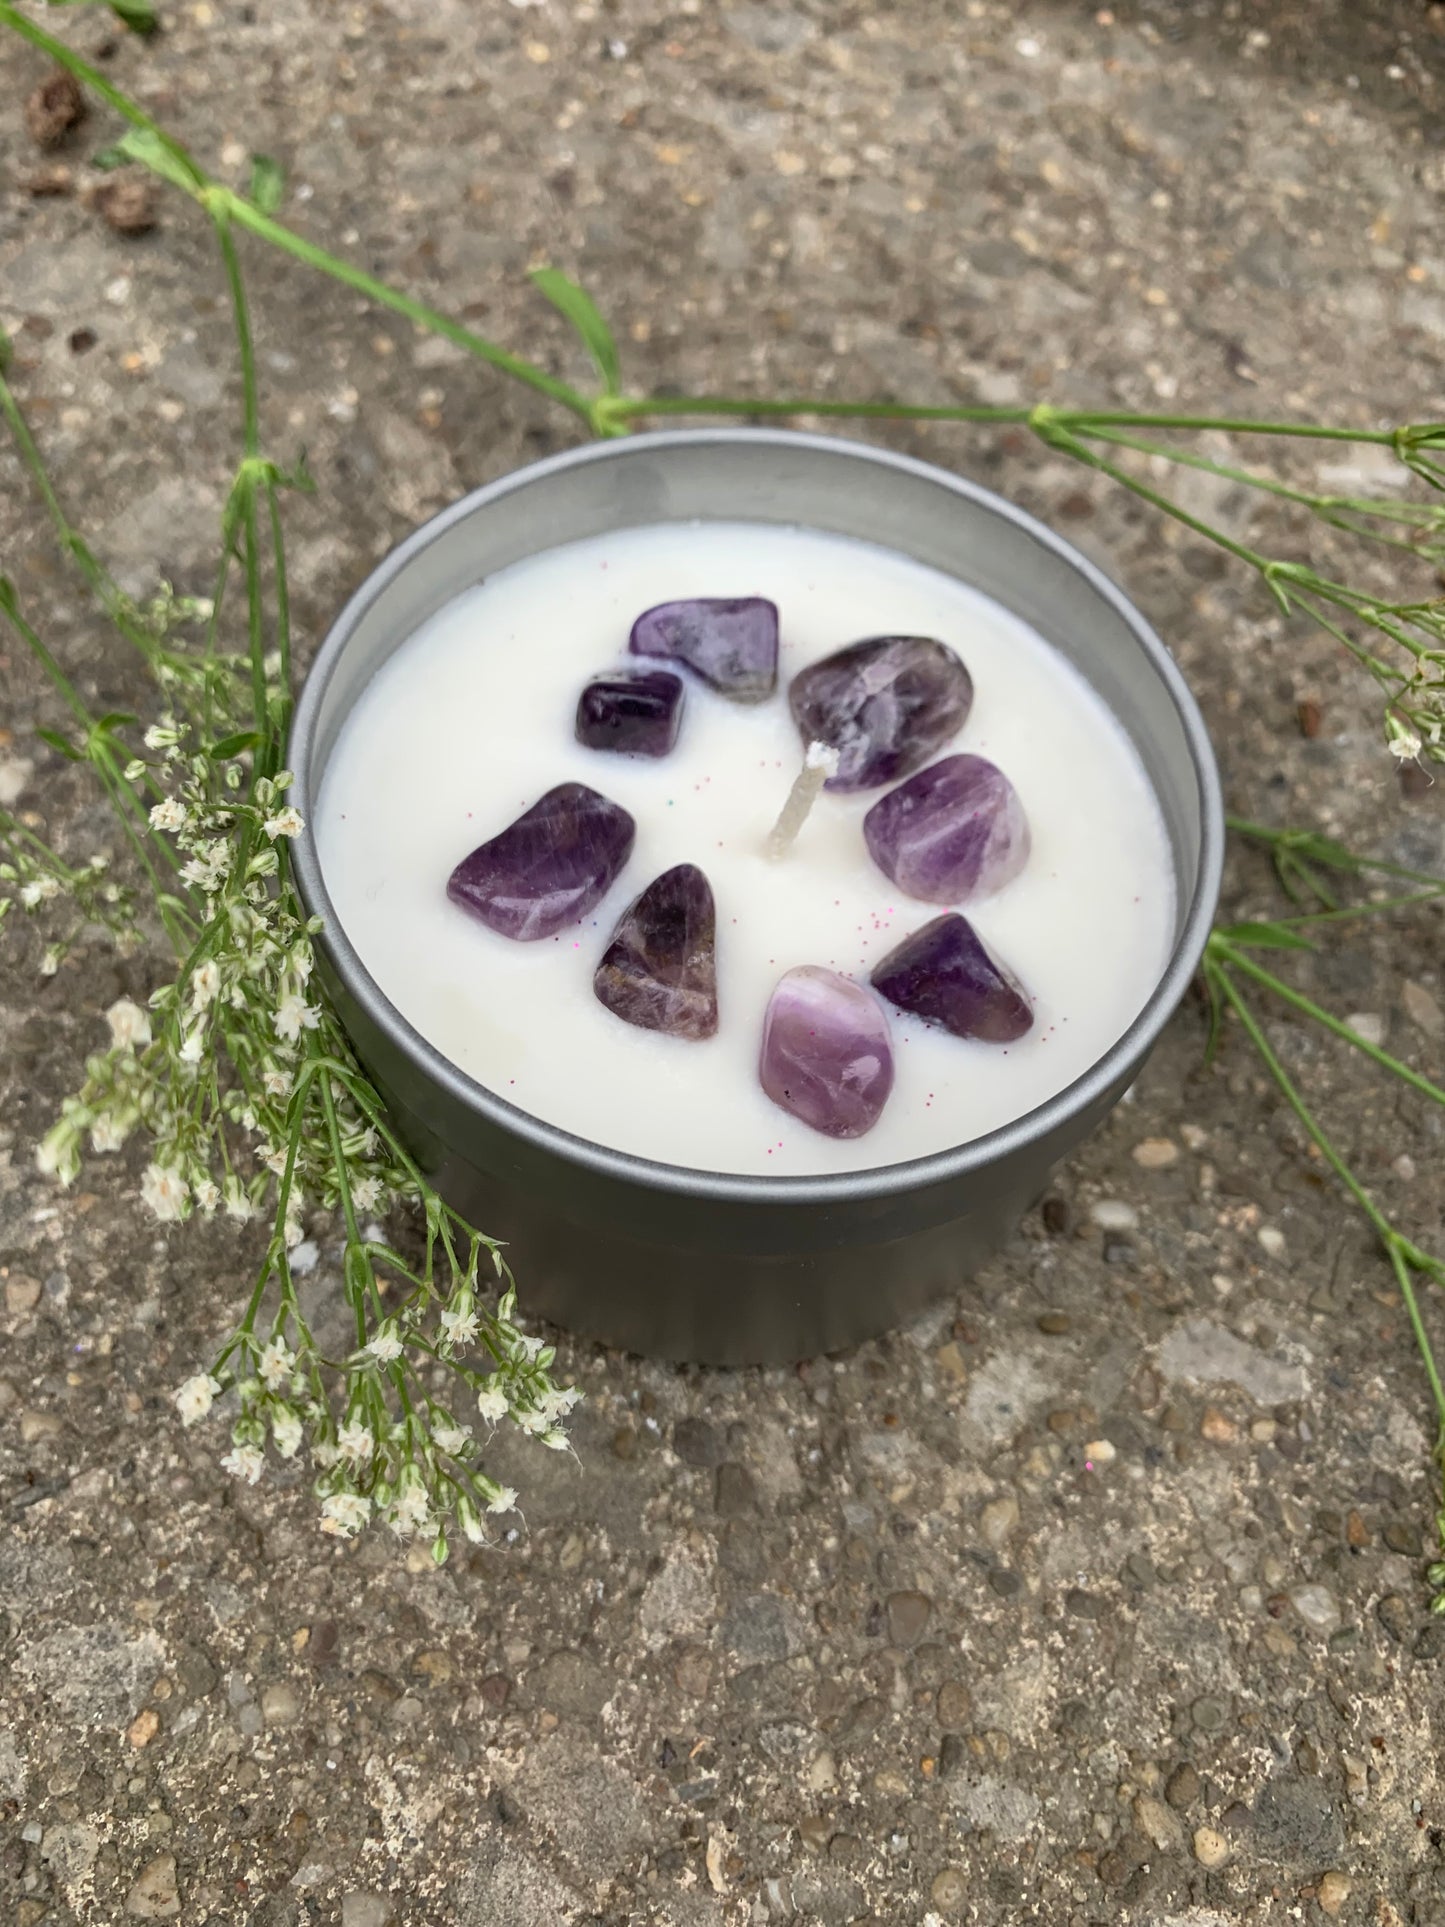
(879, 1182)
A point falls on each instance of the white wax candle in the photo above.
(472, 720)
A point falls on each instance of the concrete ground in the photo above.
(888, 1637)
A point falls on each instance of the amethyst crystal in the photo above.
(660, 969)
(944, 974)
(827, 1056)
(886, 705)
(634, 710)
(954, 831)
(731, 642)
(549, 868)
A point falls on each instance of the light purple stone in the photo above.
(549, 868)
(955, 831)
(945, 974)
(730, 641)
(886, 705)
(827, 1056)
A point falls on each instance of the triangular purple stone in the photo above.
(944, 974)
(886, 705)
(660, 969)
(730, 641)
(549, 868)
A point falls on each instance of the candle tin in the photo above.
(715, 1267)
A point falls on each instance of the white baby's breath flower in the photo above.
(274, 1158)
(286, 822)
(168, 814)
(560, 1400)
(534, 1422)
(459, 1327)
(196, 1397)
(293, 1015)
(385, 1346)
(344, 1513)
(245, 1462)
(492, 1404)
(366, 1192)
(555, 1437)
(166, 1192)
(325, 1454)
(205, 983)
(1403, 743)
(162, 735)
(277, 1083)
(285, 1430)
(238, 1205)
(50, 962)
(411, 1512)
(108, 1133)
(354, 1442)
(208, 1195)
(41, 889)
(130, 1026)
(470, 1521)
(504, 1501)
(292, 1232)
(275, 1363)
(452, 1439)
(193, 1046)
(528, 1345)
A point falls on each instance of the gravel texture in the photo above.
(1094, 1597)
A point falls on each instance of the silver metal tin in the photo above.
(690, 1264)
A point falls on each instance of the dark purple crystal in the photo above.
(637, 711)
(731, 642)
(827, 1056)
(660, 969)
(945, 974)
(549, 868)
(954, 831)
(886, 705)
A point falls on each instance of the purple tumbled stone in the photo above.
(549, 868)
(955, 831)
(660, 969)
(637, 711)
(886, 705)
(944, 974)
(827, 1056)
(731, 642)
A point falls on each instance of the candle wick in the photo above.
(819, 764)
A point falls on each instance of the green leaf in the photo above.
(116, 719)
(9, 601)
(580, 309)
(147, 149)
(230, 746)
(5, 351)
(57, 741)
(138, 15)
(268, 183)
(1264, 936)
(1213, 990)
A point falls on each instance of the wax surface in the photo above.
(472, 720)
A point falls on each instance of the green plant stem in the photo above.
(1406, 1283)
(1346, 861)
(247, 216)
(1236, 959)
(1399, 1250)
